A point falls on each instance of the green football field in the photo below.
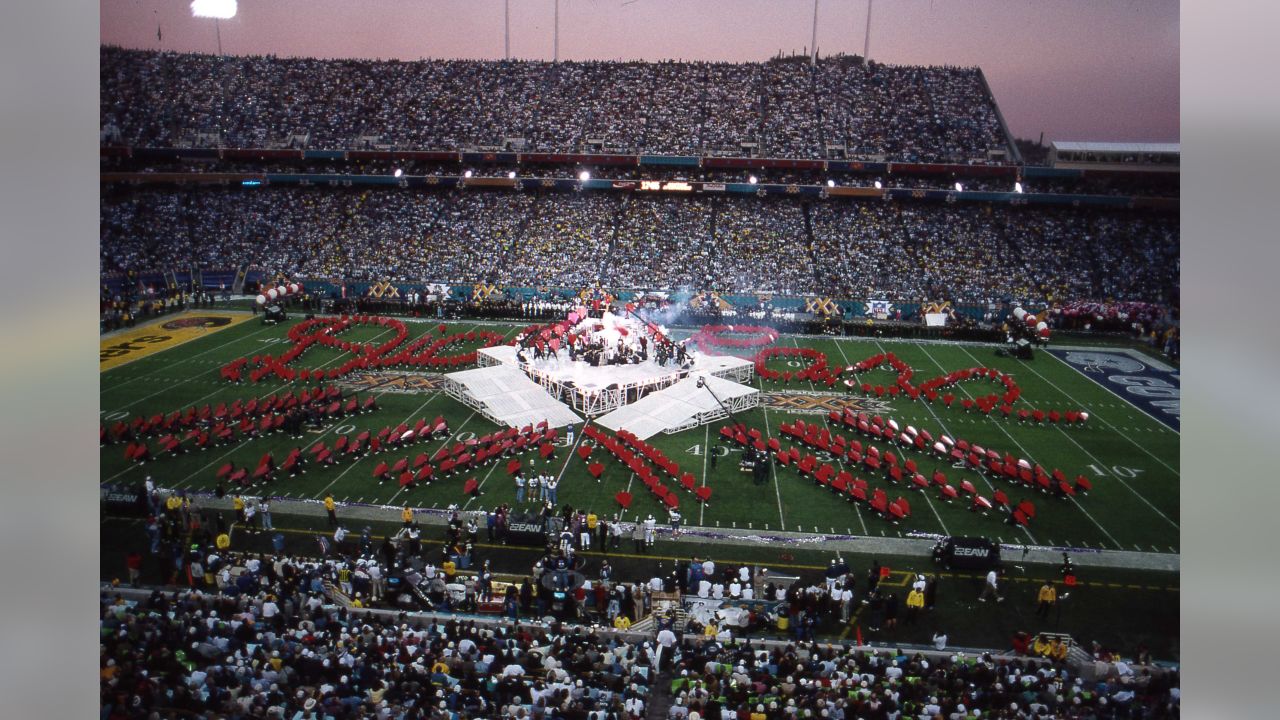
(1131, 459)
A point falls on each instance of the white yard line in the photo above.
(238, 445)
(706, 450)
(1101, 464)
(197, 376)
(856, 509)
(443, 443)
(480, 487)
(1026, 453)
(114, 386)
(928, 500)
(1099, 417)
(406, 420)
(772, 466)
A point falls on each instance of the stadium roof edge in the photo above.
(1074, 146)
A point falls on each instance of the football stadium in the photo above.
(792, 387)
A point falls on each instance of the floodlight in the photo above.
(1017, 187)
(398, 172)
(466, 174)
(831, 183)
(584, 176)
(959, 187)
(878, 185)
(511, 175)
(753, 180)
(216, 9)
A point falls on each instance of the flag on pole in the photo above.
(857, 630)
(159, 36)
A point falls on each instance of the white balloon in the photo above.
(1019, 313)
(262, 299)
(271, 294)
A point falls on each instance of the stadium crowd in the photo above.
(899, 251)
(784, 107)
(243, 634)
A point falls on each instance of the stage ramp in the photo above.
(507, 396)
(682, 406)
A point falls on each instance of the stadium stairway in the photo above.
(658, 706)
(606, 258)
(812, 243)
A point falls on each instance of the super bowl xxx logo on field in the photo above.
(388, 382)
(820, 403)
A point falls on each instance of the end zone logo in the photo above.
(1156, 391)
(209, 321)
(971, 552)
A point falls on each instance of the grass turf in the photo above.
(1134, 504)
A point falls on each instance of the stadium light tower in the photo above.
(866, 43)
(506, 37)
(556, 49)
(219, 10)
(813, 41)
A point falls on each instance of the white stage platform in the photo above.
(595, 390)
(682, 406)
(508, 397)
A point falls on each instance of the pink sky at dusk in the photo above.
(1074, 69)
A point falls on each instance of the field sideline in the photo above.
(1131, 458)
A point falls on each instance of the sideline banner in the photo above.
(1153, 390)
(140, 342)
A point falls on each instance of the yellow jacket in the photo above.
(622, 622)
(407, 514)
(328, 502)
(915, 599)
(1048, 593)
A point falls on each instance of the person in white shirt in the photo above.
(534, 482)
(717, 591)
(704, 588)
(989, 589)
(846, 603)
(655, 584)
(708, 568)
(666, 638)
(375, 580)
(735, 589)
(748, 593)
(940, 640)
